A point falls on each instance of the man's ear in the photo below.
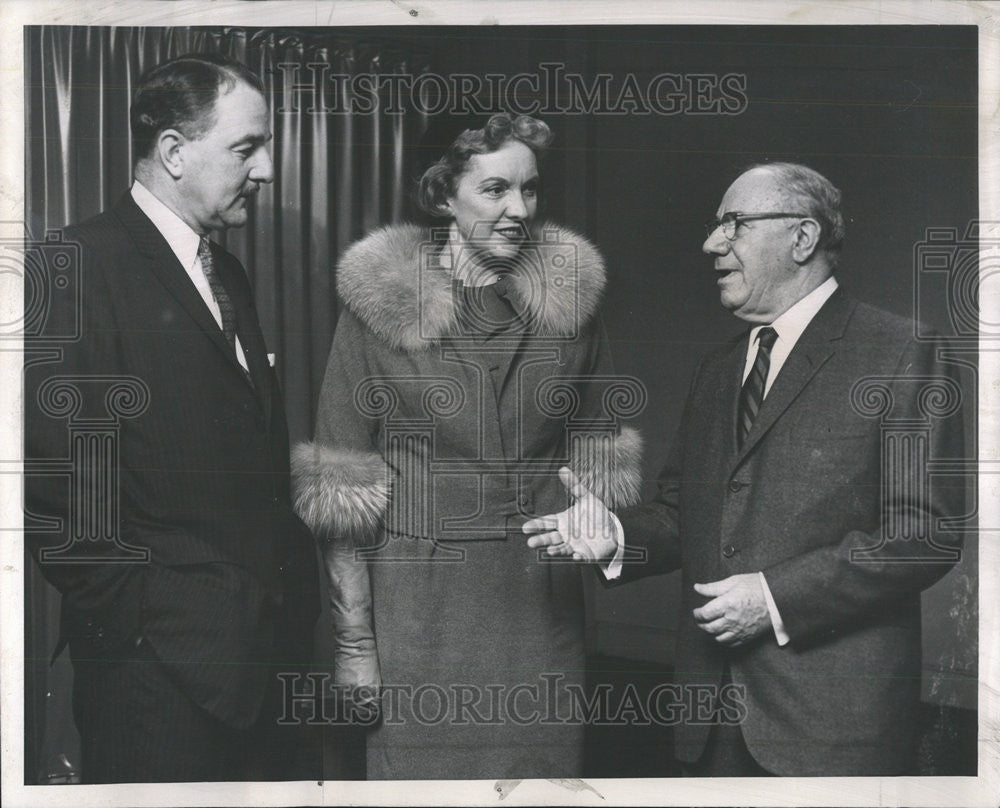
(170, 150)
(806, 240)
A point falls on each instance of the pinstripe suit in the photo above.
(229, 588)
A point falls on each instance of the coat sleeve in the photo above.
(608, 464)
(341, 481)
(824, 590)
(341, 490)
(652, 530)
(100, 595)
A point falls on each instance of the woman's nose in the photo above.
(516, 209)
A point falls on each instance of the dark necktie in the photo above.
(226, 309)
(752, 392)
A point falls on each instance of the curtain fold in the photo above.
(336, 177)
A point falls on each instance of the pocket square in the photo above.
(270, 359)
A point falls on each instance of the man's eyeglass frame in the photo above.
(730, 222)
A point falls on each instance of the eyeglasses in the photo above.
(732, 220)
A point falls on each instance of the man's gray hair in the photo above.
(820, 198)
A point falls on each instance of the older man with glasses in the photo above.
(803, 531)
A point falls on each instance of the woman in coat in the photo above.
(468, 366)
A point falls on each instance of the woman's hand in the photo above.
(357, 681)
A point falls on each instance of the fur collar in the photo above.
(559, 285)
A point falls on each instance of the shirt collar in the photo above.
(182, 239)
(792, 322)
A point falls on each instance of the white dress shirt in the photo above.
(789, 327)
(184, 243)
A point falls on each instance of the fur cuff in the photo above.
(611, 468)
(339, 493)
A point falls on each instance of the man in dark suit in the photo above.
(187, 581)
(796, 503)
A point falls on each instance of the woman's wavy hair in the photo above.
(439, 181)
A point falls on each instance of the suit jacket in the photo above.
(805, 492)
(202, 473)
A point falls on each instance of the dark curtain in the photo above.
(336, 177)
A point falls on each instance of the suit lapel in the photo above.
(171, 274)
(813, 349)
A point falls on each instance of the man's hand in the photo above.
(738, 611)
(585, 530)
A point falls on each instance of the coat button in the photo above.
(735, 485)
(729, 551)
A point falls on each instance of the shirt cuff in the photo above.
(614, 569)
(779, 627)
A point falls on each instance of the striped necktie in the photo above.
(752, 392)
(226, 309)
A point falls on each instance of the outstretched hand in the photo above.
(585, 530)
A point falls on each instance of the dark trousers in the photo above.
(137, 726)
(726, 753)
